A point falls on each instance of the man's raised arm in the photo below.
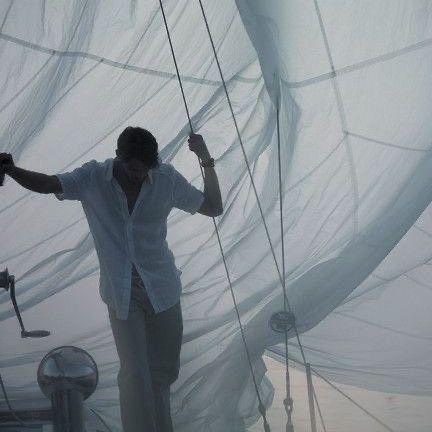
(34, 181)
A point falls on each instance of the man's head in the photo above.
(137, 149)
(138, 143)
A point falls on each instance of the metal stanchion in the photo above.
(67, 376)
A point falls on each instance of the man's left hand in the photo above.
(198, 146)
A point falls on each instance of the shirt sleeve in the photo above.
(75, 183)
(186, 196)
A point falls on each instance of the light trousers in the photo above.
(148, 346)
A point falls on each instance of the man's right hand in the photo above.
(34, 181)
(6, 162)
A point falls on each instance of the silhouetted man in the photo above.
(127, 200)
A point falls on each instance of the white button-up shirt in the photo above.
(122, 239)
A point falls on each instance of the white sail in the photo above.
(352, 82)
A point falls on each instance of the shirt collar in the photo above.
(109, 172)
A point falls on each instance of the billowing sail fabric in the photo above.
(356, 75)
(351, 82)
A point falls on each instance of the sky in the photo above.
(339, 414)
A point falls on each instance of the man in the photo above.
(127, 201)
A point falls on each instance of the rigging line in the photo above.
(281, 201)
(242, 146)
(251, 177)
(353, 401)
(101, 419)
(342, 118)
(332, 385)
(281, 279)
(288, 403)
(319, 409)
(261, 406)
(176, 67)
(82, 154)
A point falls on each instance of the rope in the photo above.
(176, 67)
(101, 419)
(281, 279)
(242, 145)
(342, 393)
(250, 174)
(261, 407)
(281, 202)
(288, 402)
(319, 409)
(353, 401)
